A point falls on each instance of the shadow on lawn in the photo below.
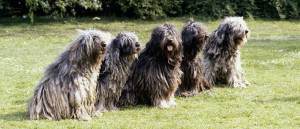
(284, 99)
(15, 116)
(22, 116)
(222, 85)
(137, 107)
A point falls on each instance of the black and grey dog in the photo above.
(155, 76)
(222, 62)
(121, 52)
(194, 37)
(68, 87)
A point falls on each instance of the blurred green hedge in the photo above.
(154, 9)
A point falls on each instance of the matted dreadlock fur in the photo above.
(68, 87)
(222, 62)
(155, 76)
(194, 37)
(121, 52)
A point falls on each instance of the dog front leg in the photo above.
(77, 103)
(210, 75)
(171, 102)
(234, 79)
(244, 80)
(112, 106)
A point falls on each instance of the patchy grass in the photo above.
(271, 60)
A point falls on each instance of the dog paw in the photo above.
(194, 92)
(85, 118)
(240, 86)
(173, 104)
(113, 108)
(184, 94)
(97, 114)
(102, 109)
(208, 92)
(163, 105)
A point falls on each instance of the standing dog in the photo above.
(194, 37)
(68, 88)
(222, 53)
(155, 76)
(121, 52)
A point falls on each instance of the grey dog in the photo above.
(68, 87)
(222, 62)
(121, 52)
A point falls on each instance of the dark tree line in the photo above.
(153, 9)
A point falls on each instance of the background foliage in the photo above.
(153, 9)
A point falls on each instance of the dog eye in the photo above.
(137, 44)
(103, 44)
(96, 40)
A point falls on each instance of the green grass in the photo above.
(271, 60)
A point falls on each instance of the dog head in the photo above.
(89, 46)
(165, 41)
(233, 30)
(125, 45)
(194, 36)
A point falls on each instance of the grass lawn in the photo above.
(271, 60)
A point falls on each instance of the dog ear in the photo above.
(221, 33)
(114, 50)
(188, 34)
(219, 38)
(212, 45)
(80, 48)
(151, 47)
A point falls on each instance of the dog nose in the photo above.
(246, 31)
(170, 40)
(103, 45)
(137, 44)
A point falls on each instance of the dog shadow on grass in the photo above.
(221, 85)
(23, 115)
(137, 107)
(15, 116)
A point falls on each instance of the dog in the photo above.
(155, 76)
(194, 37)
(68, 87)
(121, 52)
(222, 62)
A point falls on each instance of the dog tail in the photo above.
(128, 96)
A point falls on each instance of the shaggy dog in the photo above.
(222, 56)
(121, 52)
(194, 37)
(155, 76)
(68, 87)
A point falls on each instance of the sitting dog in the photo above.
(222, 53)
(155, 76)
(68, 87)
(194, 37)
(121, 52)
